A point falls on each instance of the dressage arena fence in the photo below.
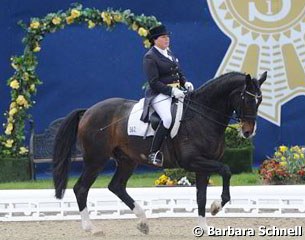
(247, 201)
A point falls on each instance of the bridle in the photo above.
(239, 114)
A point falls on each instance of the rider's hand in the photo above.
(177, 93)
(189, 86)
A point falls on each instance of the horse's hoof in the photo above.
(87, 226)
(143, 227)
(215, 207)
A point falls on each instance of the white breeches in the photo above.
(162, 105)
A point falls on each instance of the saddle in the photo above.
(136, 127)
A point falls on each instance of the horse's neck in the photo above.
(216, 93)
(214, 100)
(219, 89)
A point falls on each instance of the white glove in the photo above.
(189, 86)
(177, 93)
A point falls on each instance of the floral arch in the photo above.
(24, 81)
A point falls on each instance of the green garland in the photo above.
(24, 82)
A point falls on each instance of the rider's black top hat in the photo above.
(158, 31)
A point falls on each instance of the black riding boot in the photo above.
(156, 157)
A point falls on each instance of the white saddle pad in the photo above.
(136, 127)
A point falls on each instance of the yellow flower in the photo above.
(13, 105)
(277, 154)
(14, 84)
(157, 182)
(283, 148)
(12, 112)
(298, 149)
(23, 150)
(75, 13)
(142, 32)
(163, 179)
(163, 176)
(283, 164)
(134, 26)
(34, 25)
(22, 101)
(117, 17)
(9, 143)
(302, 155)
(296, 156)
(91, 24)
(283, 158)
(25, 76)
(56, 20)
(69, 19)
(106, 18)
(37, 48)
(33, 88)
(147, 43)
(169, 182)
(9, 129)
(26, 104)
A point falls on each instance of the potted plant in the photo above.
(238, 151)
(286, 166)
(14, 167)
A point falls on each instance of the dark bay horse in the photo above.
(199, 145)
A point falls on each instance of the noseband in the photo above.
(240, 113)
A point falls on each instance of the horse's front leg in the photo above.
(202, 181)
(217, 206)
(226, 177)
(201, 164)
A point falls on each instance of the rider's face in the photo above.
(162, 42)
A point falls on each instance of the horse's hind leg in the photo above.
(118, 187)
(81, 189)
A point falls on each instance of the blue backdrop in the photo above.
(80, 67)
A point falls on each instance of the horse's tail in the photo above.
(65, 142)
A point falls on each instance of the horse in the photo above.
(101, 131)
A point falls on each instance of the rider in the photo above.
(164, 82)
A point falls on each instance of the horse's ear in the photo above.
(262, 78)
(248, 79)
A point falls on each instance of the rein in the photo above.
(188, 105)
(205, 115)
(258, 98)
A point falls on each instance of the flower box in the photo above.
(13, 169)
(286, 166)
(239, 159)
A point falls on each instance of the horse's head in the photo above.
(246, 102)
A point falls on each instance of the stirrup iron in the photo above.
(157, 159)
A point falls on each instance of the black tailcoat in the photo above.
(159, 71)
